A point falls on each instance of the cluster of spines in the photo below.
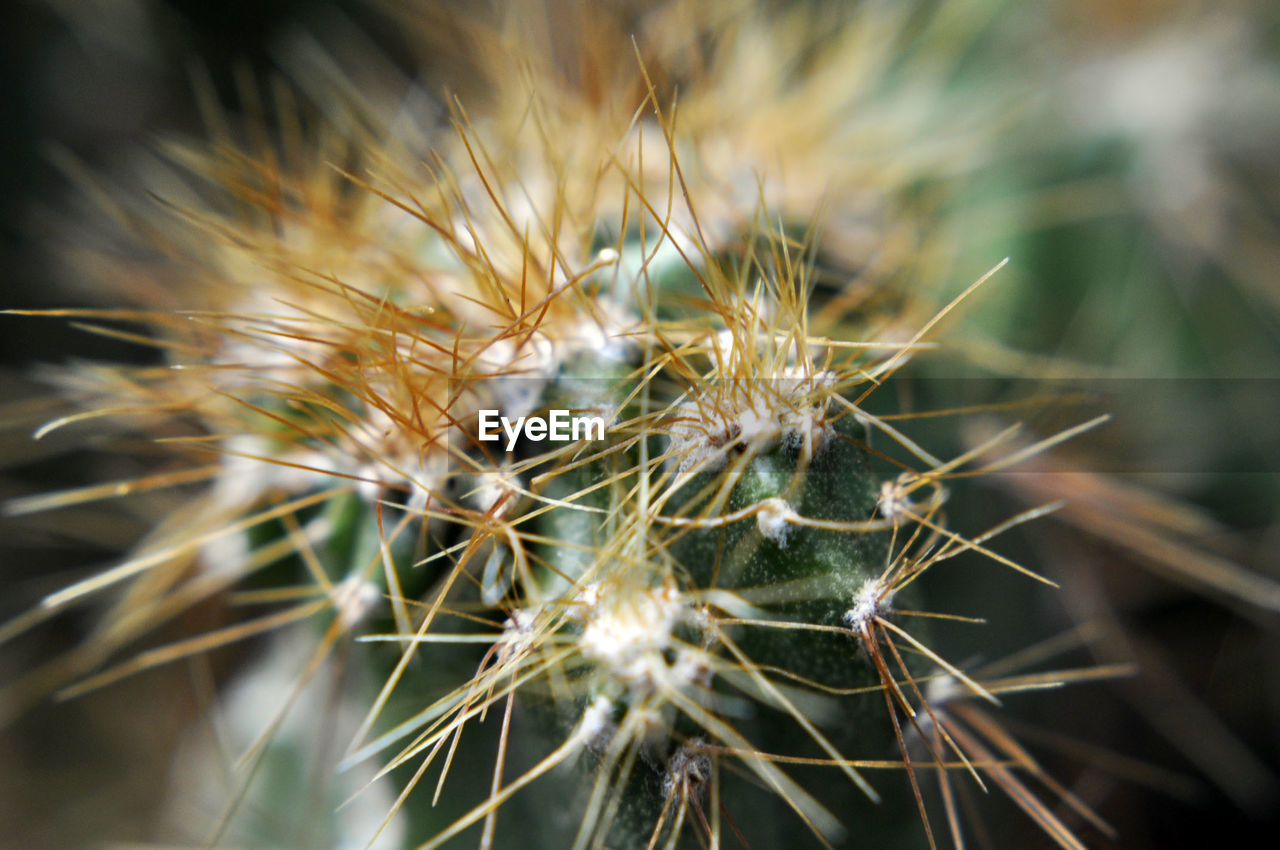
(726, 555)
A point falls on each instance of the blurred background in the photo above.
(1134, 180)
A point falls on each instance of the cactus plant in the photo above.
(701, 624)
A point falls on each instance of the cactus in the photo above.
(703, 625)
